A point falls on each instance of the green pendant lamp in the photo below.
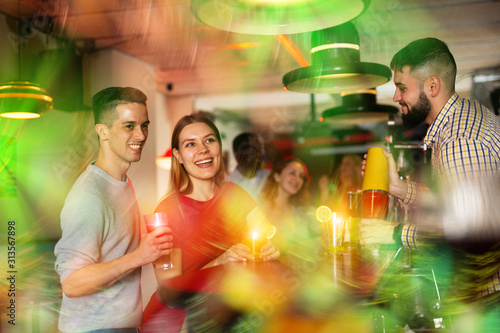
(276, 17)
(336, 66)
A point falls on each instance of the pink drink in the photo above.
(154, 221)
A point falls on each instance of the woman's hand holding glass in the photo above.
(269, 252)
(237, 252)
(242, 252)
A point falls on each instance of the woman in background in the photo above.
(348, 179)
(287, 203)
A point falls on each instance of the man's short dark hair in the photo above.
(246, 139)
(105, 101)
(247, 148)
(429, 55)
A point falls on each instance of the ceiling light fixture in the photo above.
(359, 107)
(276, 17)
(22, 99)
(335, 46)
(336, 65)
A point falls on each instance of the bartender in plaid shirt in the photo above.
(465, 140)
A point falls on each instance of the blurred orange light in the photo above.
(240, 46)
(294, 52)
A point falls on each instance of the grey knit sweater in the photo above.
(100, 222)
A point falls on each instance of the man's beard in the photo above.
(418, 113)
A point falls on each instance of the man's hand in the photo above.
(94, 277)
(154, 245)
(376, 231)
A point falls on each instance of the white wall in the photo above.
(176, 107)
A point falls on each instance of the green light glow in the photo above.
(275, 17)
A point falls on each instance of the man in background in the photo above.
(249, 173)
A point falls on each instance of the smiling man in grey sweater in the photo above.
(100, 253)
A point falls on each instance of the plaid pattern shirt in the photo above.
(465, 143)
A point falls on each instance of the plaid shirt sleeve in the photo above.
(411, 193)
(409, 236)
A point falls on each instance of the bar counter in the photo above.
(287, 295)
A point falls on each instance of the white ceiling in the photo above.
(198, 60)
